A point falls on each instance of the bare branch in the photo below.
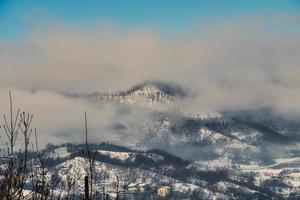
(6, 124)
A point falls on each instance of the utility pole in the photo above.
(86, 188)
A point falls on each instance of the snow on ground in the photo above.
(222, 162)
(294, 163)
(118, 155)
(61, 152)
(213, 137)
(107, 174)
(222, 186)
(294, 179)
(263, 172)
(287, 160)
(290, 176)
(184, 187)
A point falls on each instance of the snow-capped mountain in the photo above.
(145, 94)
(231, 155)
(240, 135)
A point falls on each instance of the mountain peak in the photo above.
(170, 89)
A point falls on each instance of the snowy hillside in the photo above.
(135, 174)
(236, 155)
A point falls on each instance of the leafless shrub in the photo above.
(16, 170)
(43, 180)
(13, 171)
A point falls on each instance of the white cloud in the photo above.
(241, 64)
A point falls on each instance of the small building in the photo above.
(163, 191)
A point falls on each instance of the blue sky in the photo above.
(18, 17)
